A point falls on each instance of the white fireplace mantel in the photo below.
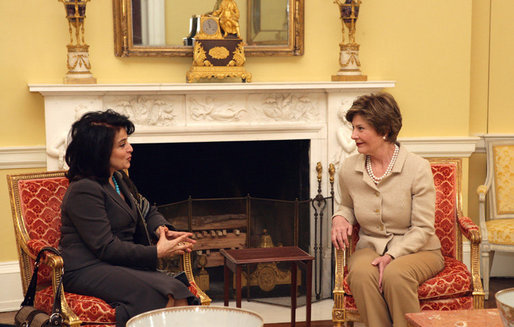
(208, 112)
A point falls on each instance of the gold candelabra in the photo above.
(78, 51)
(349, 54)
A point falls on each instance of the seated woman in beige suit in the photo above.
(109, 230)
(390, 193)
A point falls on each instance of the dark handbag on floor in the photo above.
(28, 315)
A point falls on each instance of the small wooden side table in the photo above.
(234, 259)
(455, 318)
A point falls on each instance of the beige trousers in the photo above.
(399, 283)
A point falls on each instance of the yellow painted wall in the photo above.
(479, 91)
(492, 99)
(501, 95)
(432, 49)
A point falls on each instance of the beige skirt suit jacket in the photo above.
(397, 215)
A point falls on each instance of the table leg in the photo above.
(247, 283)
(293, 293)
(225, 286)
(238, 286)
(308, 296)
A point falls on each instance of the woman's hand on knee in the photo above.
(341, 230)
(381, 262)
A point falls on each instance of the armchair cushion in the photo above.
(87, 308)
(453, 281)
(500, 231)
(458, 303)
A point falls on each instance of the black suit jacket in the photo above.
(99, 226)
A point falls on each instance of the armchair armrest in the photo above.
(482, 192)
(472, 233)
(469, 229)
(56, 264)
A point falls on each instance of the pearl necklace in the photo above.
(389, 168)
(116, 186)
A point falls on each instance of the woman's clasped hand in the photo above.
(173, 243)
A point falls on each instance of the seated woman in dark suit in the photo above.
(108, 229)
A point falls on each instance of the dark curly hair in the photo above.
(92, 139)
(381, 111)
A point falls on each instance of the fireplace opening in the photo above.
(231, 195)
(171, 172)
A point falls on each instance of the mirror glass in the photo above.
(164, 27)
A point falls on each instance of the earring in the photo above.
(384, 137)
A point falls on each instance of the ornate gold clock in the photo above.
(209, 28)
(218, 50)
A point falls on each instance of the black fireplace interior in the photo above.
(171, 172)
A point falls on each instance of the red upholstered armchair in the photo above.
(455, 287)
(36, 208)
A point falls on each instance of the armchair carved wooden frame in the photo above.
(36, 209)
(455, 287)
(497, 223)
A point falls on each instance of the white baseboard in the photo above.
(11, 295)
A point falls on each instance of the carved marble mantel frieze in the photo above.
(208, 112)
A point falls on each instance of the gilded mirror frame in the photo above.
(124, 46)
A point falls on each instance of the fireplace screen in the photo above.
(242, 222)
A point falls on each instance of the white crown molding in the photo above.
(22, 157)
(481, 144)
(461, 147)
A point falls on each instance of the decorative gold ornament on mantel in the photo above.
(78, 52)
(349, 55)
(218, 50)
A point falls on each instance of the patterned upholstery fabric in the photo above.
(450, 289)
(41, 209)
(500, 231)
(453, 281)
(86, 307)
(458, 303)
(467, 226)
(503, 163)
(445, 207)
